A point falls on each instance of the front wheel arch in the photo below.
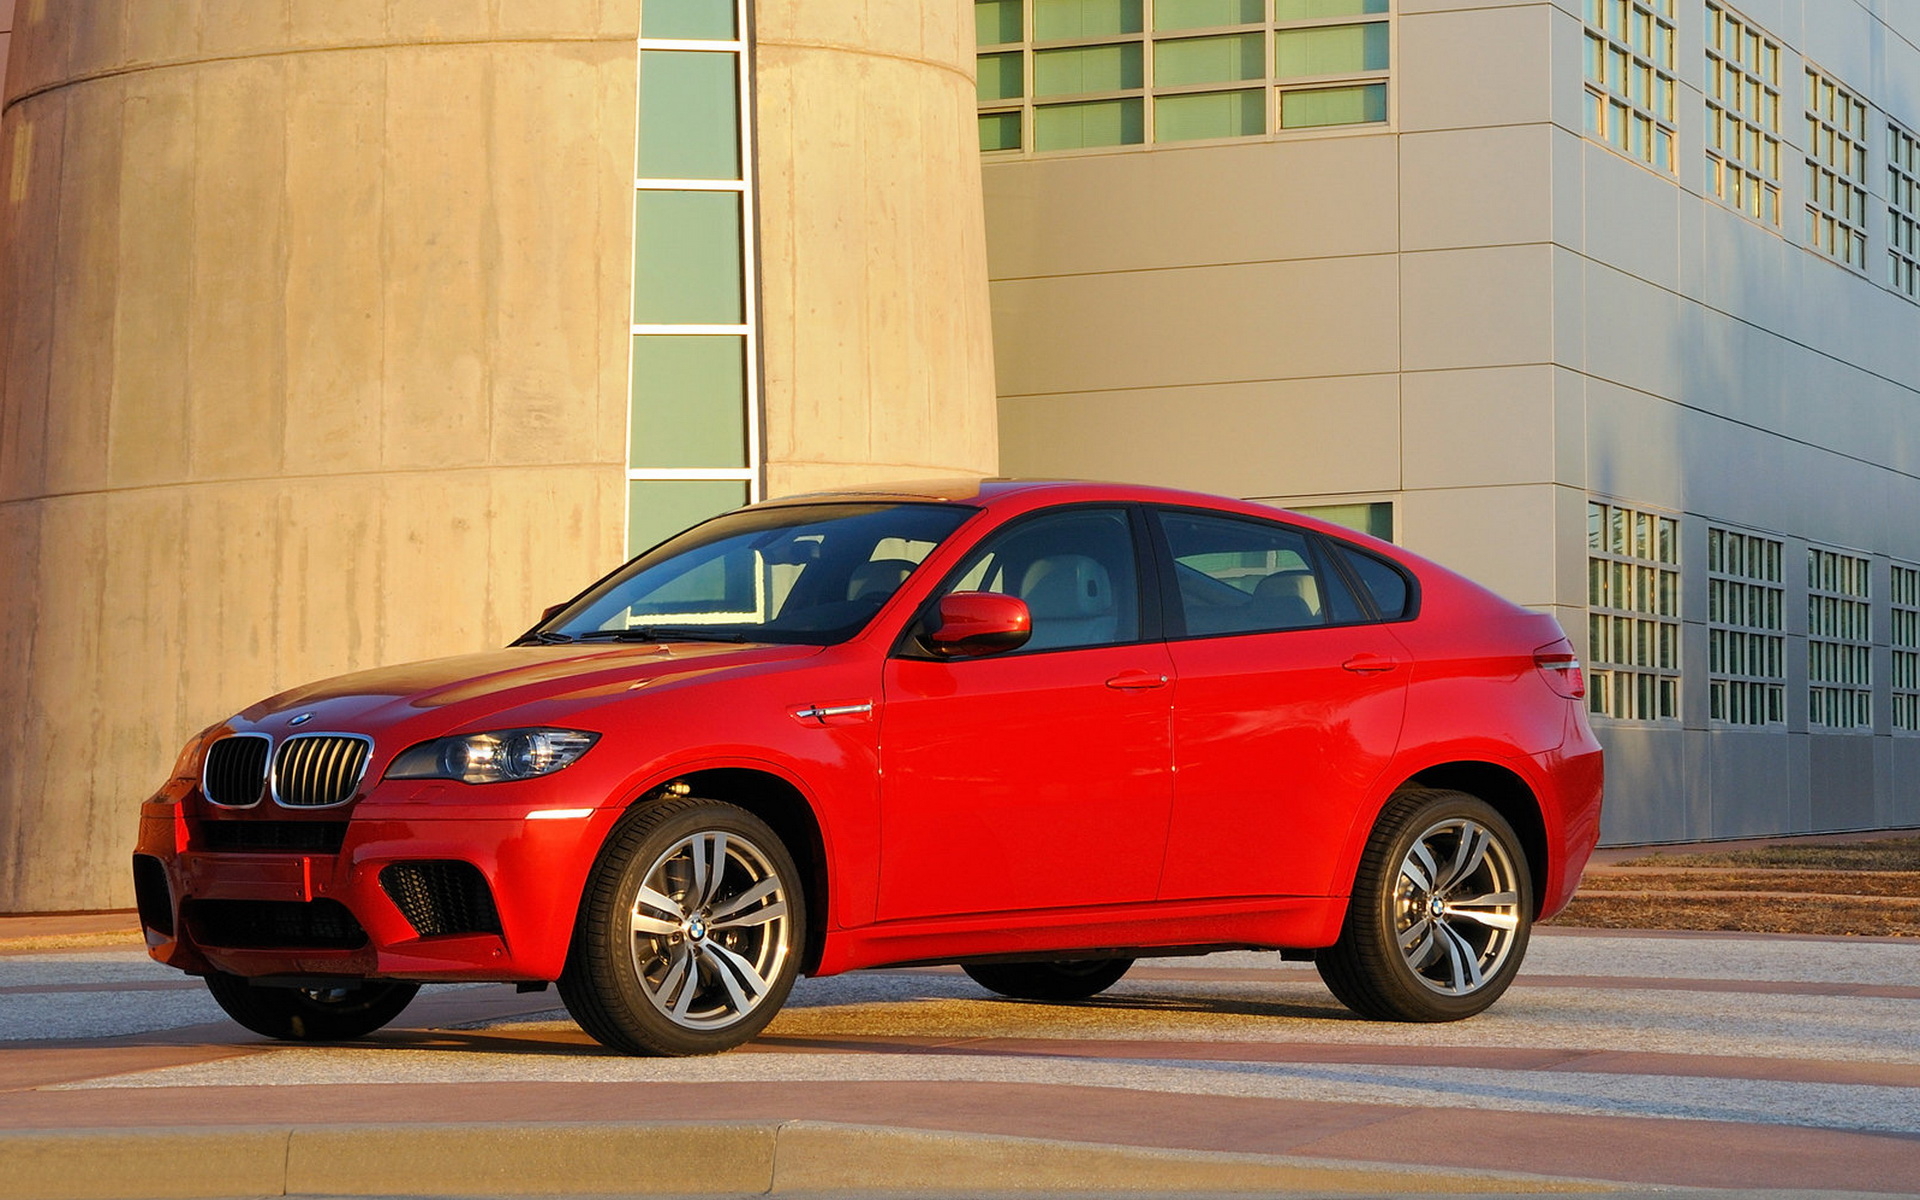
(786, 809)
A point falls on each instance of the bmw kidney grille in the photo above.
(319, 769)
(236, 771)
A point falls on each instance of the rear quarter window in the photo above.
(1392, 595)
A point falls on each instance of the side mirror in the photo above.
(973, 624)
(550, 612)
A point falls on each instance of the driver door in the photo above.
(1041, 777)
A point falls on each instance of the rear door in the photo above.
(1290, 700)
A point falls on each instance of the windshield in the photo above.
(813, 574)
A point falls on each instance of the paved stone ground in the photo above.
(1638, 1060)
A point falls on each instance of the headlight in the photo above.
(493, 757)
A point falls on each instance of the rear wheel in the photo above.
(689, 934)
(1442, 906)
(311, 1014)
(1074, 979)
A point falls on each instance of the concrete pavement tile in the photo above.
(440, 1159)
(27, 1065)
(156, 1163)
(820, 1156)
(1708, 1154)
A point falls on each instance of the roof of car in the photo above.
(963, 489)
(1000, 490)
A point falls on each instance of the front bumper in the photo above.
(413, 891)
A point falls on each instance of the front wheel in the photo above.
(1074, 979)
(690, 932)
(293, 1014)
(1441, 909)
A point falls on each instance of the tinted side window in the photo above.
(1384, 583)
(1076, 571)
(1240, 576)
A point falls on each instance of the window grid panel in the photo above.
(1630, 78)
(732, 396)
(1633, 618)
(1087, 74)
(1839, 641)
(1746, 629)
(1743, 115)
(1904, 597)
(1903, 212)
(1836, 171)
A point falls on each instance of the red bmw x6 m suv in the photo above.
(1037, 729)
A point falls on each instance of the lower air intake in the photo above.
(274, 924)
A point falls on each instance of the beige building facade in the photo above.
(318, 321)
(1609, 303)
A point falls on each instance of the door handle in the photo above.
(1137, 681)
(1368, 664)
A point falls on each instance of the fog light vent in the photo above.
(441, 898)
(151, 894)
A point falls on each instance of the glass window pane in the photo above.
(1089, 69)
(1209, 115)
(1336, 50)
(999, 77)
(996, 22)
(1101, 123)
(686, 258)
(659, 508)
(689, 115)
(1243, 576)
(1084, 18)
(693, 20)
(1333, 106)
(1386, 585)
(689, 401)
(1313, 10)
(1074, 569)
(1203, 14)
(1000, 131)
(1209, 60)
(1374, 517)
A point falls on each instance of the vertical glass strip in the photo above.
(689, 20)
(659, 508)
(687, 265)
(689, 401)
(689, 115)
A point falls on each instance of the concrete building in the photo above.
(338, 332)
(1611, 305)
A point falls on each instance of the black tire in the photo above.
(311, 1014)
(1442, 907)
(1068, 979)
(669, 955)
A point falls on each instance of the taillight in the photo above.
(1561, 667)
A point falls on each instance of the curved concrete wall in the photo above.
(878, 340)
(315, 359)
(315, 344)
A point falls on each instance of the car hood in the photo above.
(452, 692)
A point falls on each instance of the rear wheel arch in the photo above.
(1509, 795)
(785, 808)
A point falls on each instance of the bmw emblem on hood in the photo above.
(302, 719)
